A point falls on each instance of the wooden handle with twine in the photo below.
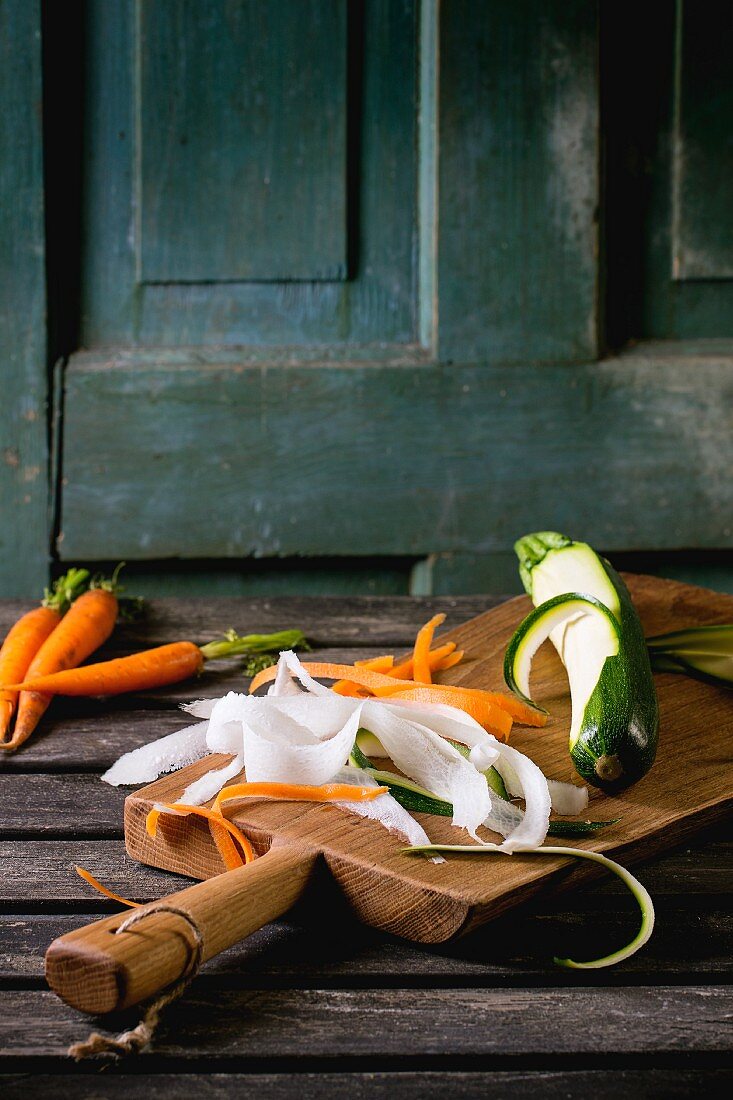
(157, 950)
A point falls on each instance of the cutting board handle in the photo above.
(97, 970)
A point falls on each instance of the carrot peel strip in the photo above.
(420, 654)
(226, 847)
(495, 711)
(449, 660)
(404, 671)
(349, 690)
(362, 676)
(478, 704)
(88, 877)
(212, 816)
(299, 792)
(377, 664)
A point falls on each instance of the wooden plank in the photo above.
(702, 226)
(82, 737)
(518, 181)
(329, 622)
(690, 944)
(23, 447)
(59, 805)
(254, 1027)
(606, 1084)
(376, 305)
(40, 873)
(274, 206)
(507, 450)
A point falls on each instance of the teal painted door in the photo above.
(353, 292)
(24, 486)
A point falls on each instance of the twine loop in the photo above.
(137, 1038)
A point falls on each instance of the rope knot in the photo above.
(137, 1038)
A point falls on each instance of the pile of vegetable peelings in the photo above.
(305, 741)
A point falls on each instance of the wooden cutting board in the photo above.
(690, 786)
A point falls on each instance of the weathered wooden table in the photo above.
(318, 1006)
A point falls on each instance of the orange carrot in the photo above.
(27, 636)
(24, 640)
(421, 651)
(166, 664)
(152, 668)
(87, 624)
(299, 792)
(88, 877)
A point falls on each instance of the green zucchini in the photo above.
(585, 608)
(419, 800)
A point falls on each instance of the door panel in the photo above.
(518, 181)
(242, 141)
(246, 235)
(702, 216)
(667, 122)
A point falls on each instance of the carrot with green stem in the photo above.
(28, 634)
(86, 626)
(153, 668)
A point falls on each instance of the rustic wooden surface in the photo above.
(318, 1004)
